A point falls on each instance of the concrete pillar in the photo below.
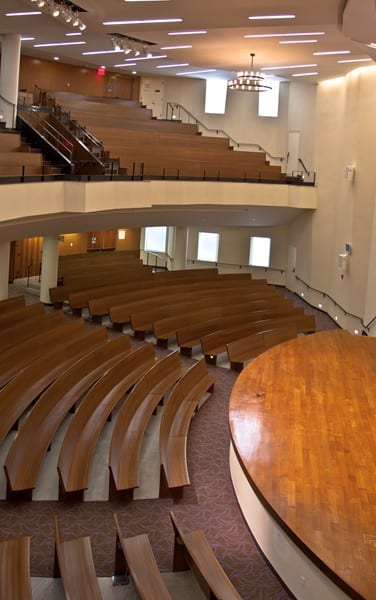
(181, 243)
(4, 269)
(50, 257)
(9, 76)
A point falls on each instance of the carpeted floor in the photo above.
(209, 503)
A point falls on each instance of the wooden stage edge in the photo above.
(303, 462)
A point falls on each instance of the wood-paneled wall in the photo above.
(52, 76)
(26, 255)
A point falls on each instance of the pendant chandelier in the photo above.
(248, 81)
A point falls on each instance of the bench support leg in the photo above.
(162, 343)
(76, 496)
(139, 335)
(115, 495)
(121, 571)
(19, 495)
(186, 351)
(211, 359)
(236, 366)
(97, 319)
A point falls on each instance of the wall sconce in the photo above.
(121, 234)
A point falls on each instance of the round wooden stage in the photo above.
(303, 462)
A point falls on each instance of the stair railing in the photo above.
(175, 111)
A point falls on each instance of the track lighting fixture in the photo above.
(130, 45)
(65, 9)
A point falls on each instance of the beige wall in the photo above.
(345, 135)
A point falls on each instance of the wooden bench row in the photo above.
(245, 348)
(134, 557)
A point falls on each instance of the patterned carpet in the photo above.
(209, 503)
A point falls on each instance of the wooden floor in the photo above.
(303, 422)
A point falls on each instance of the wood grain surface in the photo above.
(303, 424)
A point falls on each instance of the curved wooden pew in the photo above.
(16, 333)
(192, 550)
(132, 421)
(215, 343)
(154, 309)
(20, 314)
(24, 459)
(245, 348)
(191, 335)
(119, 311)
(16, 358)
(60, 294)
(86, 425)
(10, 303)
(178, 411)
(135, 556)
(212, 318)
(75, 565)
(23, 389)
(15, 582)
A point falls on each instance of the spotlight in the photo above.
(137, 52)
(76, 21)
(82, 26)
(55, 11)
(41, 3)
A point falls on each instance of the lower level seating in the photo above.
(134, 556)
(192, 550)
(15, 582)
(74, 563)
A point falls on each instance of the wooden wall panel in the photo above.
(25, 257)
(52, 76)
(72, 243)
(131, 241)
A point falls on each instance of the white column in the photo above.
(50, 257)
(4, 269)
(9, 76)
(180, 254)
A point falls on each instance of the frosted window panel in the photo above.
(208, 246)
(155, 239)
(269, 101)
(215, 96)
(259, 252)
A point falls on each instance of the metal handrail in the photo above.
(176, 106)
(47, 131)
(345, 312)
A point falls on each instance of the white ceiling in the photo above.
(223, 48)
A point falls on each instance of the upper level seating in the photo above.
(161, 148)
(17, 159)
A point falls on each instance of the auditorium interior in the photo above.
(187, 299)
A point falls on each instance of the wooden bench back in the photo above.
(135, 554)
(15, 582)
(16, 333)
(74, 562)
(21, 313)
(192, 548)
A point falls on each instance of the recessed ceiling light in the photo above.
(172, 66)
(298, 42)
(288, 67)
(304, 74)
(58, 44)
(195, 72)
(262, 17)
(147, 57)
(141, 21)
(197, 32)
(273, 35)
(174, 47)
(102, 52)
(24, 14)
(354, 60)
(331, 52)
